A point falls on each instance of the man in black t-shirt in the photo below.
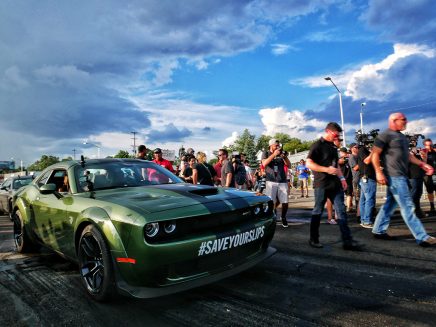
(329, 184)
(429, 156)
(368, 187)
(416, 180)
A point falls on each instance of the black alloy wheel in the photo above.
(22, 241)
(95, 264)
(18, 232)
(11, 211)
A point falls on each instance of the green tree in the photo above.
(69, 158)
(122, 154)
(283, 138)
(213, 161)
(43, 163)
(262, 143)
(245, 144)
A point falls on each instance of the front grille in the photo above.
(216, 223)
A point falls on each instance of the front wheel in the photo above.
(95, 265)
(22, 241)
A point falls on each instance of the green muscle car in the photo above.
(134, 228)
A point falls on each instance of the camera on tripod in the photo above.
(366, 139)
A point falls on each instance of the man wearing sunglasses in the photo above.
(329, 184)
(392, 147)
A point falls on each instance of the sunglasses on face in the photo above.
(334, 134)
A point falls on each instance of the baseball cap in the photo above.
(157, 150)
(273, 141)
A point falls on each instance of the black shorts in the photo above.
(429, 185)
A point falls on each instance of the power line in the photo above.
(416, 106)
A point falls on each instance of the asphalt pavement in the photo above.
(389, 283)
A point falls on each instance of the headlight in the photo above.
(151, 229)
(257, 210)
(169, 227)
(265, 207)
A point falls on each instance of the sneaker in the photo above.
(431, 241)
(284, 222)
(307, 196)
(315, 244)
(385, 237)
(367, 225)
(332, 221)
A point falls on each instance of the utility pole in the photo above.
(134, 142)
(340, 108)
(74, 154)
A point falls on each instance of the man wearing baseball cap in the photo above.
(157, 153)
(276, 188)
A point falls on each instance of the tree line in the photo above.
(246, 143)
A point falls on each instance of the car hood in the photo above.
(151, 199)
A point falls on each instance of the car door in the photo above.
(5, 189)
(49, 210)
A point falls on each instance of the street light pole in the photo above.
(340, 107)
(363, 104)
(134, 142)
(98, 147)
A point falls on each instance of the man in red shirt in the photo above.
(157, 153)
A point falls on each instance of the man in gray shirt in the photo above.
(352, 160)
(392, 147)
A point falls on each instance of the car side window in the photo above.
(44, 178)
(58, 178)
(7, 184)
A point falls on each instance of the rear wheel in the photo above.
(11, 213)
(95, 265)
(21, 238)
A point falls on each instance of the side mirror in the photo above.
(48, 188)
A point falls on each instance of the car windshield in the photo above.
(116, 174)
(18, 183)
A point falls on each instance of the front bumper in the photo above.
(206, 278)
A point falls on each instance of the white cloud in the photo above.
(67, 74)
(231, 139)
(280, 49)
(13, 79)
(372, 81)
(421, 126)
(294, 123)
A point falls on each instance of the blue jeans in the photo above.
(367, 200)
(336, 196)
(398, 194)
(416, 191)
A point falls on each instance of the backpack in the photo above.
(240, 174)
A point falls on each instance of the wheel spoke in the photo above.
(88, 247)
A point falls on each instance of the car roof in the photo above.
(71, 163)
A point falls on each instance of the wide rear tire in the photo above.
(95, 264)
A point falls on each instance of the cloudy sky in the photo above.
(198, 72)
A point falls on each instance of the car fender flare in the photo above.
(100, 218)
(26, 214)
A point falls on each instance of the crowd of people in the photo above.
(344, 179)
